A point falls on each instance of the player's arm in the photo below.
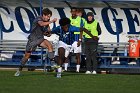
(99, 29)
(48, 32)
(43, 23)
(80, 37)
(56, 30)
(86, 31)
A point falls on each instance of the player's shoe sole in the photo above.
(17, 73)
(58, 75)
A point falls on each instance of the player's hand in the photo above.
(54, 20)
(95, 38)
(78, 43)
(48, 34)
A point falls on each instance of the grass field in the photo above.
(39, 82)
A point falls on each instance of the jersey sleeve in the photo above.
(35, 22)
(37, 19)
(56, 30)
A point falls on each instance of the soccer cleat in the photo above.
(77, 71)
(63, 70)
(58, 75)
(132, 63)
(94, 72)
(45, 68)
(115, 62)
(17, 73)
(53, 64)
(88, 72)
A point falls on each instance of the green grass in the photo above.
(38, 82)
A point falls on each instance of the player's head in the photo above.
(64, 23)
(46, 14)
(73, 12)
(79, 12)
(90, 16)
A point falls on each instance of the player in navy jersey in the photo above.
(77, 21)
(36, 38)
(66, 39)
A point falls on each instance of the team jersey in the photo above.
(66, 37)
(78, 22)
(37, 31)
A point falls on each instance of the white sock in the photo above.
(65, 66)
(77, 68)
(118, 58)
(59, 69)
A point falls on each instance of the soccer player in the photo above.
(76, 21)
(66, 38)
(79, 12)
(36, 38)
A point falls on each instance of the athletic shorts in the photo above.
(32, 44)
(54, 39)
(65, 46)
(76, 49)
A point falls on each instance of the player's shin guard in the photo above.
(23, 62)
(59, 70)
(51, 55)
(65, 66)
(77, 68)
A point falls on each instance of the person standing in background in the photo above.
(77, 22)
(91, 43)
(79, 12)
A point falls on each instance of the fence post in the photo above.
(42, 56)
(41, 7)
(1, 34)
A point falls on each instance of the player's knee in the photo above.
(50, 47)
(61, 51)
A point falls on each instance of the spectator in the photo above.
(91, 43)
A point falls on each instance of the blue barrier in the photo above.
(39, 58)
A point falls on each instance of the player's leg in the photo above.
(23, 62)
(66, 64)
(29, 48)
(50, 52)
(67, 52)
(94, 57)
(78, 59)
(47, 44)
(88, 59)
(77, 51)
(61, 58)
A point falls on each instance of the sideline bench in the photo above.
(115, 55)
(12, 51)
